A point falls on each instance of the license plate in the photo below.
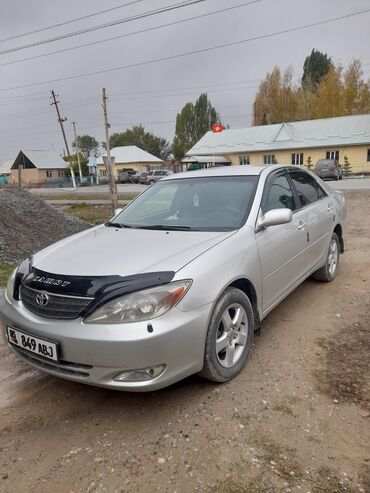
(45, 349)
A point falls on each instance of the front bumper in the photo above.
(95, 354)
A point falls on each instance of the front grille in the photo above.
(58, 306)
(63, 367)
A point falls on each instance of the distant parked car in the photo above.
(134, 178)
(156, 175)
(142, 178)
(124, 175)
(329, 169)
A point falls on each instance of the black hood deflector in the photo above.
(101, 288)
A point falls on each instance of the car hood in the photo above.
(103, 251)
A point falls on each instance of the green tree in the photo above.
(138, 136)
(83, 162)
(309, 162)
(192, 123)
(315, 67)
(347, 169)
(87, 145)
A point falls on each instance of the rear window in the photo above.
(324, 163)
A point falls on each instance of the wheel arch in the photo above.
(338, 230)
(247, 287)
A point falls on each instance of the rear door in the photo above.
(320, 215)
(282, 248)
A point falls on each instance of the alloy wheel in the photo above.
(333, 257)
(232, 335)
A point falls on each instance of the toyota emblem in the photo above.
(42, 299)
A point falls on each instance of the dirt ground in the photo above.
(295, 420)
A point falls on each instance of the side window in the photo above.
(307, 188)
(278, 194)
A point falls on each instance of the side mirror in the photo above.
(117, 211)
(274, 218)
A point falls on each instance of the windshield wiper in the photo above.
(110, 224)
(166, 227)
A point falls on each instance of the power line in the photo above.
(144, 15)
(194, 52)
(70, 21)
(69, 106)
(127, 35)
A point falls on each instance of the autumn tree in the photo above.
(338, 92)
(138, 136)
(329, 95)
(192, 123)
(315, 67)
(276, 100)
(356, 93)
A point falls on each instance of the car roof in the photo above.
(225, 171)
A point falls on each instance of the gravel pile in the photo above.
(27, 224)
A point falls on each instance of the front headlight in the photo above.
(10, 285)
(142, 305)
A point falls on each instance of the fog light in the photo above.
(141, 375)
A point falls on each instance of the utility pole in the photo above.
(77, 151)
(61, 121)
(108, 161)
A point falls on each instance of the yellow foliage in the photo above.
(339, 93)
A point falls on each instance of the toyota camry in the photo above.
(178, 282)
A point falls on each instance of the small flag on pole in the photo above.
(217, 128)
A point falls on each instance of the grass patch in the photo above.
(93, 214)
(5, 271)
(83, 196)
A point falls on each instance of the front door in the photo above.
(282, 248)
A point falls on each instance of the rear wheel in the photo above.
(328, 272)
(229, 337)
(151, 182)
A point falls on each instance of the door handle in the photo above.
(301, 225)
(330, 207)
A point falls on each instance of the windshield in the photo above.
(198, 204)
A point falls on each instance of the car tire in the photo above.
(151, 182)
(229, 336)
(328, 272)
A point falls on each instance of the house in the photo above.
(190, 163)
(39, 167)
(296, 143)
(5, 170)
(129, 157)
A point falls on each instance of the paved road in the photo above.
(351, 184)
(94, 189)
(346, 184)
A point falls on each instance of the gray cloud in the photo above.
(154, 93)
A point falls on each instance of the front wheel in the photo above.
(151, 182)
(328, 272)
(229, 337)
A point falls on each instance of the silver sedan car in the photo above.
(178, 282)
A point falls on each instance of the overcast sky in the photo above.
(152, 94)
